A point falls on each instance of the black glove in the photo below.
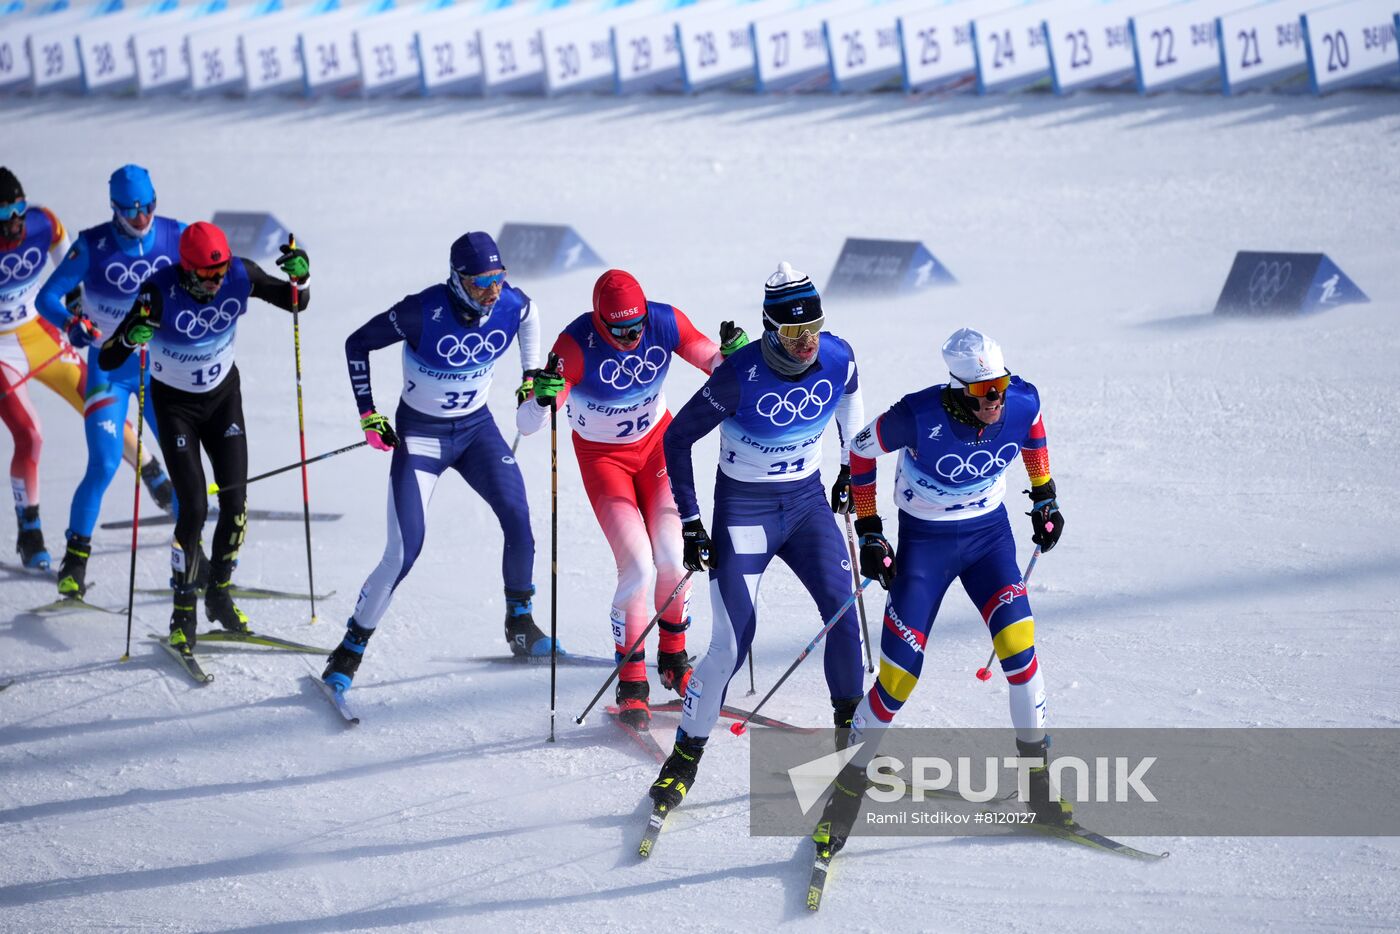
(699, 552)
(731, 338)
(293, 262)
(876, 553)
(841, 491)
(1046, 521)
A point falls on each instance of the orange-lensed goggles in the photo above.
(984, 387)
(210, 273)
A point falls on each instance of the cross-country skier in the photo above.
(453, 334)
(772, 401)
(108, 263)
(614, 362)
(955, 442)
(188, 313)
(31, 237)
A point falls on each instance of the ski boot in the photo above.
(32, 553)
(158, 485)
(842, 710)
(202, 571)
(673, 668)
(183, 621)
(632, 708)
(218, 602)
(342, 664)
(677, 772)
(525, 638)
(72, 573)
(1050, 809)
(839, 815)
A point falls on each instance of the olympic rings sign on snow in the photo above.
(460, 351)
(979, 465)
(19, 265)
(633, 369)
(197, 325)
(1268, 280)
(798, 402)
(128, 279)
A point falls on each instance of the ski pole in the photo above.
(215, 488)
(301, 434)
(860, 603)
(32, 373)
(516, 443)
(985, 672)
(752, 690)
(136, 501)
(635, 646)
(553, 549)
(738, 728)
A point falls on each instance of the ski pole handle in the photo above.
(215, 488)
(738, 728)
(635, 646)
(985, 672)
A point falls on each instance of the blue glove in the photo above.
(82, 332)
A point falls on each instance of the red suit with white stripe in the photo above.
(617, 408)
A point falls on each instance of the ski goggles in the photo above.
(628, 332)
(13, 209)
(796, 331)
(980, 389)
(211, 273)
(485, 280)
(131, 212)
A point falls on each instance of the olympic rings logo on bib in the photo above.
(20, 265)
(469, 348)
(979, 465)
(633, 369)
(128, 279)
(208, 320)
(797, 403)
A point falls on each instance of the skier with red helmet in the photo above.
(614, 361)
(188, 315)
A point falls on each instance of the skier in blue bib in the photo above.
(955, 441)
(109, 262)
(772, 401)
(189, 313)
(453, 334)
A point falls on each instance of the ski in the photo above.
(187, 662)
(735, 713)
(6, 685)
(65, 605)
(585, 661)
(1076, 833)
(272, 515)
(821, 870)
(642, 737)
(337, 699)
(654, 824)
(245, 593)
(49, 573)
(258, 638)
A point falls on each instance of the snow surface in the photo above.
(1230, 491)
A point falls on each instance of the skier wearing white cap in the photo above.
(955, 442)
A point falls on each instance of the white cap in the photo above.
(972, 356)
(785, 275)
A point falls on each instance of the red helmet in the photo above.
(618, 301)
(203, 245)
